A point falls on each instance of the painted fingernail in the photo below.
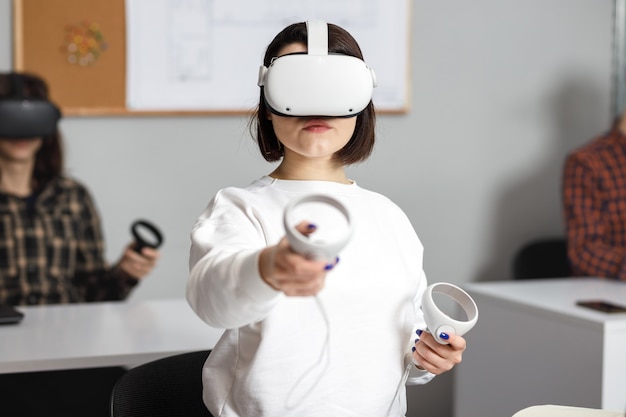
(419, 332)
(444, 336)
(328, 267)
(413, 349)
(417, 340)
(336, 260)
(311, 226)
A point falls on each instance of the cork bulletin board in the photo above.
(156, 57)
(78, 47)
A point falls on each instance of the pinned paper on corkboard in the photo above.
(78, 47)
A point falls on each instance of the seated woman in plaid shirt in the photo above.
(51, 251)
(594, 204)
(51, 245)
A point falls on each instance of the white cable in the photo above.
(315, 250)
(405, 376)
(324, 354)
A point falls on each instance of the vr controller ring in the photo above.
(302, 244)
(140, 242)
(437, 321)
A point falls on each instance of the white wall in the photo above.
(501, 90)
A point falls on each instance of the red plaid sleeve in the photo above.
(594, 203)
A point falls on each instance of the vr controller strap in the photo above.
(317, 37)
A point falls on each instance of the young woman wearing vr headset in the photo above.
(307, 336)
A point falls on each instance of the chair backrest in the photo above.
(167, 387)
(542, 258)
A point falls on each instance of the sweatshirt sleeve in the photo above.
(417, 376)
(225, 288)
(414, 254)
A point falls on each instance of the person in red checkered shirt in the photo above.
(594, 205)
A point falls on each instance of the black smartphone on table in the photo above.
(10, 315)
(602, 305)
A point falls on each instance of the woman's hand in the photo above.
(435, 357)
(290, 272)
(138, 265)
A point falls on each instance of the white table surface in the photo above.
(533, 345)
(102, 334)
(559, 295)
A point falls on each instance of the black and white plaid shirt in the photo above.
(51, 249)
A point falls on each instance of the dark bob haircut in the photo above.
(49, 157)
(340, 41)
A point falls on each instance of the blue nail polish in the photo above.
(311, 226)
(419, 332)
(444, 336)
(413, 349)
(337, 260)
(417, 340)
(328, 267)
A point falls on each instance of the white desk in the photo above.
(532, 345)
(101, 334)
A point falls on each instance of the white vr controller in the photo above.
(439, 322)
(326, 250)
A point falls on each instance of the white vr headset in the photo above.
(316, 83)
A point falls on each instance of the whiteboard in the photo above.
(204, 55)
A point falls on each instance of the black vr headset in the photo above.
(26, 117)
(317, 83)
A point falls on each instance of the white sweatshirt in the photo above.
(274, 358)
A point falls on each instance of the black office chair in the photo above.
(542, 258)
(167, 387)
